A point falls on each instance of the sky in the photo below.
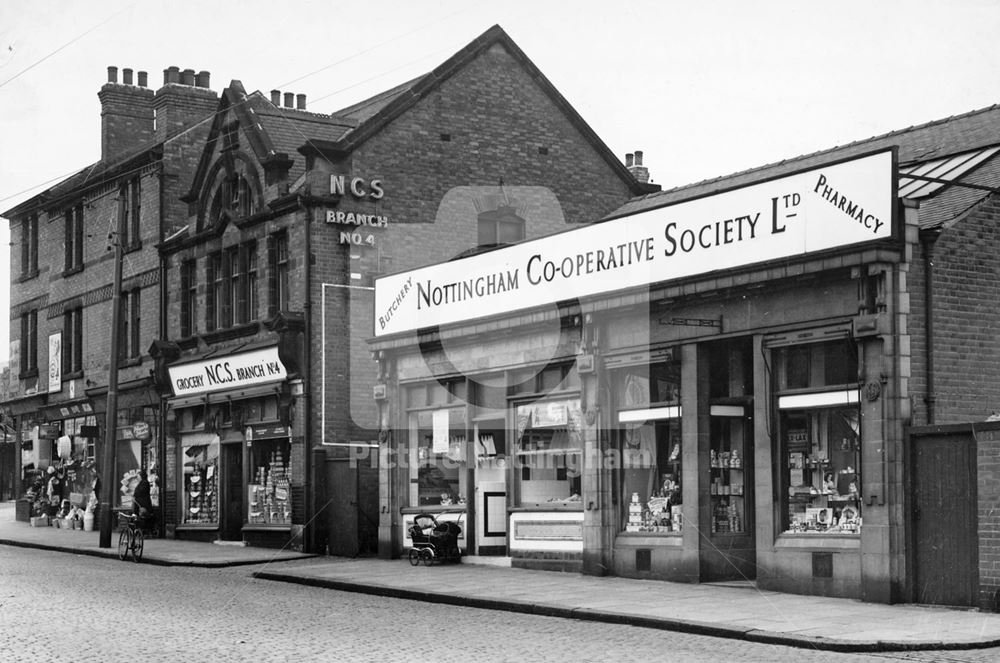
(704, 88)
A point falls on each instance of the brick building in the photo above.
(773, 377)
(271, 419)
(62, 262)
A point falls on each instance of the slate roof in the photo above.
(926, 142)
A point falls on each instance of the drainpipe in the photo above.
(310, 526)
(928, 240)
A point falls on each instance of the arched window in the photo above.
(234, 191)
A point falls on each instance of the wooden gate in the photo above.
(945, 539)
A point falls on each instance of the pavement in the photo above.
(729, 610)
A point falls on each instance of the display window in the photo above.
(819, 439)
(649, 419)
(549, 452)
(437, 453)
(201, 480)
(268, 487)
(135, 449)
(728, 470)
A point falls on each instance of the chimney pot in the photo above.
(202, 79)
(638, 157)
(126, 76)
(300, 101)
(112, 74)
(276, 97)
(142, 78)
(289, 100)
(628, 160)
(171, 75)
(187, 77)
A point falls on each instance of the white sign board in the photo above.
(845, 203)
(240, 370)
(55, 362)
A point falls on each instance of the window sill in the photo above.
(818, 541)
(28, 374)
(547, 506)
(135, 246)
(230, 333)
(73, 375)
(27, 276)
(131, 361)
(70, 271)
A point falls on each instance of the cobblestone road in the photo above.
(61, 607)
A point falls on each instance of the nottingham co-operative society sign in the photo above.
(841, 204)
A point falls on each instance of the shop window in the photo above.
(269, 490)
(135, 450)
(549, 452)
(490, 428)
(200, 498)
(73, 244)
(819, 438)
(728, 470)
(437, 462)
(562, 377)
(649, 420)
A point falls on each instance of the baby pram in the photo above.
(433, 540)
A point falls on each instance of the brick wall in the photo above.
(988, 498)
(489, 123)
(966, 317)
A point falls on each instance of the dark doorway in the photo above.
(944, 520)
(231, 527)
(352, 507)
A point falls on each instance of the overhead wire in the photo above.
(212, 117)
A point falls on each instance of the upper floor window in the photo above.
(129, 345)
(72, 344)
(278, 273)
(189, 298)
(500, 226)
(74, 238)
(130, 206)
(29, 246)
(233, 199)
(233, 290)
(29, 343)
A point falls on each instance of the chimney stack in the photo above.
(639, 172)
(184, 100)
(126, 114)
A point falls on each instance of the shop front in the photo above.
(232, 457)
(686, 394)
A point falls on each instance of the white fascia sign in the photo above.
(228, 372)
(841, 204)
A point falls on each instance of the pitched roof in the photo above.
(918, 144)
(373, 114)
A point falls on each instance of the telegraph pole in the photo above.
(111, 416)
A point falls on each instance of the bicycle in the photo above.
(131, 539)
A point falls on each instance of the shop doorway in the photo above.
(352, 508)
(944, 519)
(231, 525)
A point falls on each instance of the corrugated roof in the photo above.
(937, 141)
